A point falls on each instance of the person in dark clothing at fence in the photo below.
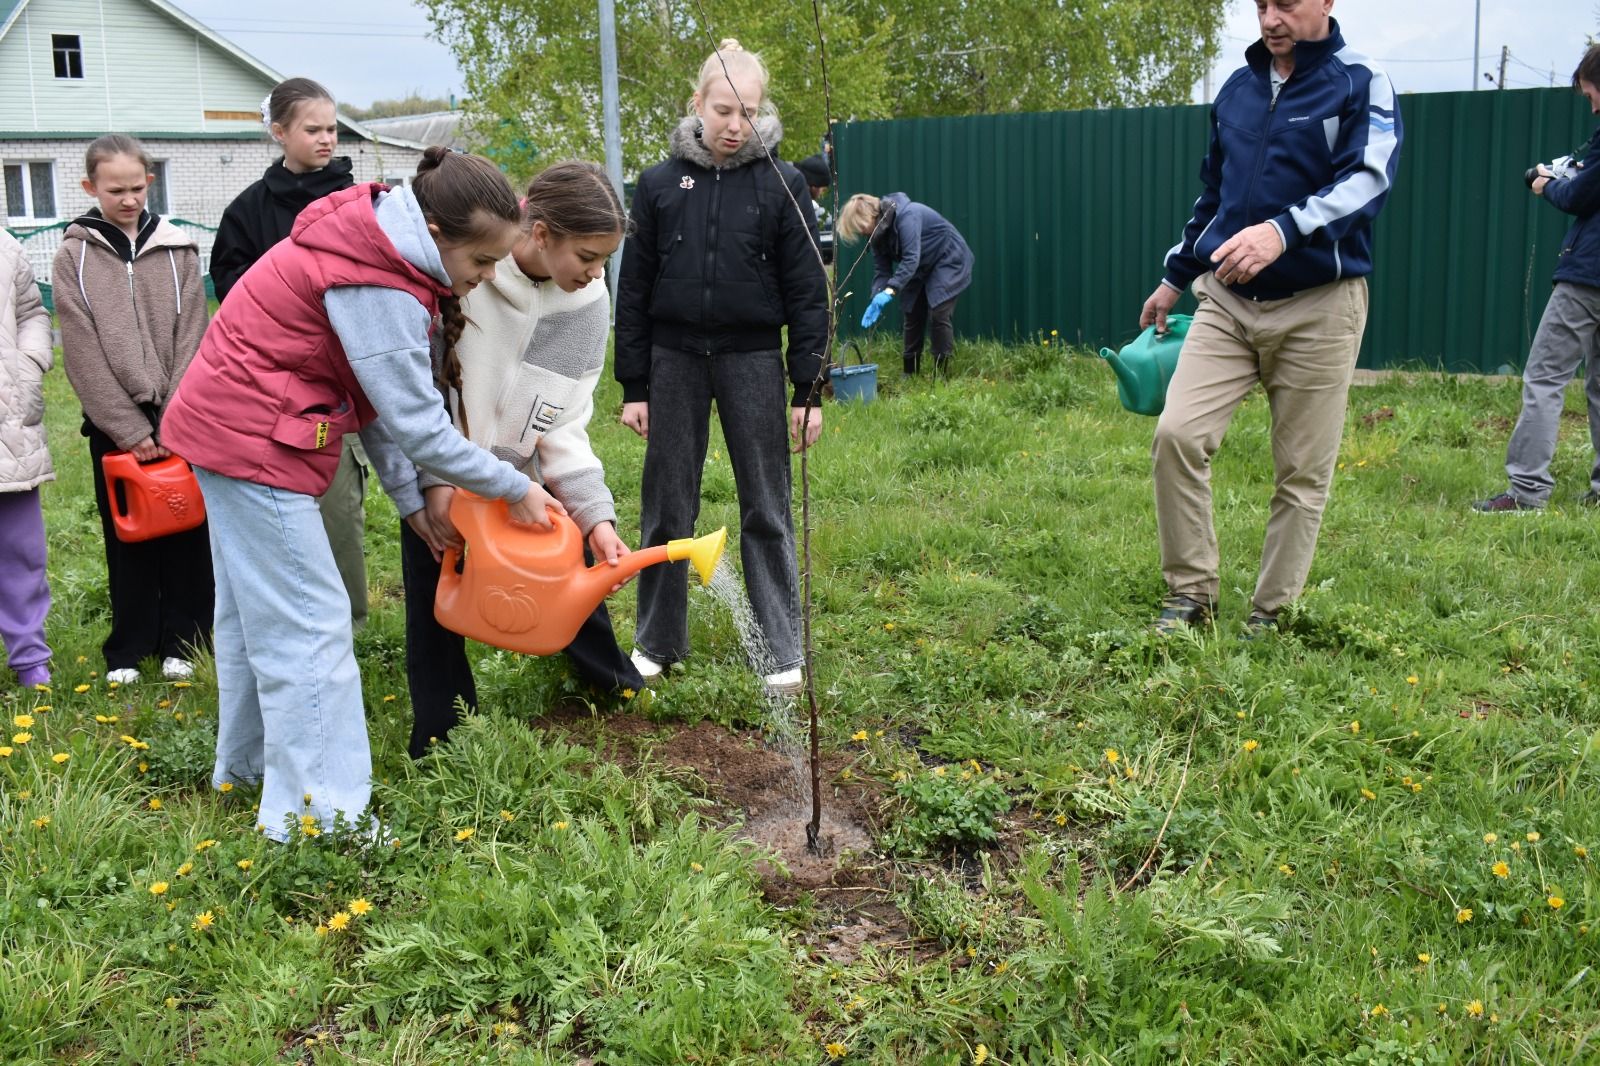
(1304, 143)
(919, 257)
(1569, 330)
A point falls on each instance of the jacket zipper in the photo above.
(711, 254)
(1266, 132)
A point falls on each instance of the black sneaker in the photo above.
(1503, 504)
(1181, 612)
(1259, 624)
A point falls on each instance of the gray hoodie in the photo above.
(385, 337)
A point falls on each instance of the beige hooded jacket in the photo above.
(25, 354)
(132, 314)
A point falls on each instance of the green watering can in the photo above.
(1144, 366)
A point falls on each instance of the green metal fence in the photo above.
(1069, 214)
(39, 246)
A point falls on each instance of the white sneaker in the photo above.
(786, 682)
(126, 676)
(176, 669)
(648, 668)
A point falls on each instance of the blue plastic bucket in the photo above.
(855, 384)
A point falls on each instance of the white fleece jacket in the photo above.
(531, 356)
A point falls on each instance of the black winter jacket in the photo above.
(1579, 195)
(719, 261)
(263, 214)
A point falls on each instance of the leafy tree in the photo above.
(413, 103)
(532, 67)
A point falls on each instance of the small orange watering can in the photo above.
(150, 500)
(526, 589)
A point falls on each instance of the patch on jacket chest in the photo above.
(542, 416)
(686, 182)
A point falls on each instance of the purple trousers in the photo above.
(24, 589)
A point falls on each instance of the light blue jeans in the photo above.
(290, 714)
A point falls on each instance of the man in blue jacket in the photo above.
(1304, 143)
(1569, 331)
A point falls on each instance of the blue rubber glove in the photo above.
(875, 308)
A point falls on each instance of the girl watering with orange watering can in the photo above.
(521, 383)
(329, 334)
(132, 309)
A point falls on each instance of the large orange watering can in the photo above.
(156, 499)
(526, 589)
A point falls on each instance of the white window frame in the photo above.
(28, 217)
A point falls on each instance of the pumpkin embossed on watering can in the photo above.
(150, 500)
(1144, 366)
(526, 589)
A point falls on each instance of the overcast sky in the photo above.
(374, 49)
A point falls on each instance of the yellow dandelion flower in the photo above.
(835, 1050)
(20, 739)
(322, 928)
(507, 816)
(226, 786)
(697, 868)
(1464, 915)
(1580, 851)
(155, 803)
(1441, 1009)
(81, 689)
(245, 864)
(360, 907)
(1112, 756)
(1355, 727)
(1532, 838)
(1061, 819)
(628, 693)
(1368, 794)
(144, 767)
(1475, 1008)
(1556, 903)
(388, 697)
(560, 827)
(938, 771)
(22, 721)
(182, 684)
(163, 704)
(339, 921)
(159, 888)
(464, 834)
(1424, 958)
(1516, 845)
(860, 734)
(1416, 786)
(203, 921)
(106, 719)
(1251, 745)
(186, 869)
(5, 751)
(60, 758)
(1500, 869)
(1378, 1010)
(41, 821)
(980, 1054)
(203, 845)
(1412, 680)
(1286, 870)
(310, 831)
(1490, 838)
(1239, 715)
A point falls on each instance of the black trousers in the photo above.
(162, 590)
(437, 670)
(917, 315)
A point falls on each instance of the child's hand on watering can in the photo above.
(530, 510)
(609, 548)
(148, 450)
(422, 526)
(436, 502)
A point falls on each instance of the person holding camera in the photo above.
(1304, 143)
(1569, 331)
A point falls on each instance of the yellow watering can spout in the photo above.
(703, 552)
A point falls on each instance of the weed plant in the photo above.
(1365, 839)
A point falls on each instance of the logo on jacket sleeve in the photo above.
(686, 182)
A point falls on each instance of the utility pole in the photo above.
(612, 116)
(1477, 25)
(1505, 54)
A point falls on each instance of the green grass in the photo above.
(985, 566)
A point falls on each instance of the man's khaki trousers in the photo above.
(1303, 351)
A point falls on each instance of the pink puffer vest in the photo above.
(270, 393)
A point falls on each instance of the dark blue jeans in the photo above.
(752, 397)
